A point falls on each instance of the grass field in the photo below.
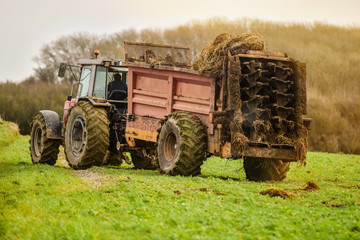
(45, 202)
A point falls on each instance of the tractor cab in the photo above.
(103, 81)
(98, 79)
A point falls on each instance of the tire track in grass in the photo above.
(95, 177)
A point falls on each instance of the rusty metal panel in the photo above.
(157, 93)
(141, 127)
(192, 95)
(214, 143)
(285, 154)
(226, 150)
(267, 54)
(148, 93)
(141, 134)
(300, 85)
(158, 54)
(271, 153)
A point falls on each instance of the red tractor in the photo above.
(170, 117)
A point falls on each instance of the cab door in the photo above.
(85, 86)
(100, 82)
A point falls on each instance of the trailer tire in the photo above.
(141, 161)
(86, 135)
(182, 144)
(260, 170)
(42, 149)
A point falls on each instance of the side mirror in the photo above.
(62, 70)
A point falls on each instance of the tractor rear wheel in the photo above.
(42, 149)
(261, 170)
(182, 144)
(144, 161)
(86, 135)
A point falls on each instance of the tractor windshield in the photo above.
(100, 82)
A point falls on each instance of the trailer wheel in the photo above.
(144, 161)
(86, 135)
(260, 170)
(182, 144)
(42, 149)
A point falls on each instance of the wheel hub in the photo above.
(78, 136)
(38, 142)
(170, 147)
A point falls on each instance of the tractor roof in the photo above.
(100, 61)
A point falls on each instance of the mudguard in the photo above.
(53, 124)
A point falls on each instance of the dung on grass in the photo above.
(212, 55)
(311, 186)
(273, 192)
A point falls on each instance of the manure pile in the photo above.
(213, 54)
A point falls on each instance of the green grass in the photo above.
(56, 202)
(8, 133)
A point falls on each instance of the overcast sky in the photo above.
(26, 25)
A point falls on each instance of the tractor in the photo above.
(153, 105)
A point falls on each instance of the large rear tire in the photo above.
(42, 149)
(144, 161)
(260, 170)
(86, 135)
(182, 145)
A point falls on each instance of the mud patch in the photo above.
(202, 190)
(351, 187)
(211, 191)
(301, 144)
(273, 192)
(333, 203)
(238, 139)
(311, 186)
(261, 129)
(125, 179)
(95, 177)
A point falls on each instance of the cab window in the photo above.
(84, 81)
(100, 82)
